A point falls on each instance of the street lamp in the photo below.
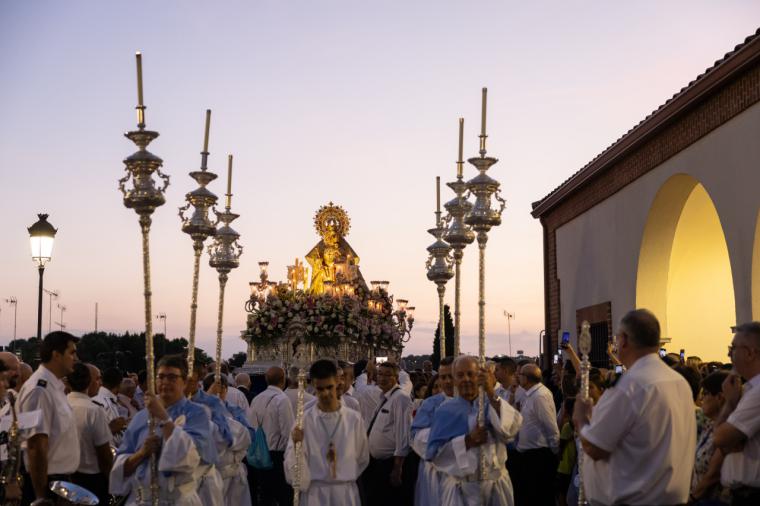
(41, 236)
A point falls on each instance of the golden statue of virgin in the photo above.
(334, 263)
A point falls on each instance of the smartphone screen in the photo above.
(618, 369)
(556, 358)
(565, 339)
(663, 353)
(683, 356)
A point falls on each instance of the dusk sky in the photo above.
(350, 102)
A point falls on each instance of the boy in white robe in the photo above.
(334, 446)
(455, 440)
(182, 436)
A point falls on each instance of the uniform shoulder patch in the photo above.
(42, 383)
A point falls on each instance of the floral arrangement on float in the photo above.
(329, 319)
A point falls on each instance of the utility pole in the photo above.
(52, 294)
(162, 316)
(13, 302)
(61, 324)
(509, 316)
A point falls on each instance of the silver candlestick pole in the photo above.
(144, 197)
(584, 346)
(198, 226)
(439, 265)
(458, 235)
(482, 217)
(224, 253)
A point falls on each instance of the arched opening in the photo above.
(684, 272)
(756, 272)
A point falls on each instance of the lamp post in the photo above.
(144, 197)
(439, 265)
(459, 234)
(199, 227)
(224, 253)
(41, 236)
(482, 217)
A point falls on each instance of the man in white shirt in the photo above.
(95, 458)
(639, 443)
(237, 398)
(107, 398)
(737, 431)
(389, 443)
(292, 390)
(12, 373)
(52, 450)
(537, 443)
(335, 449)
(505, 371)
(272, 411)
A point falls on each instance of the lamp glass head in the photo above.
(41, 236)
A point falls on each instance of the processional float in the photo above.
(144, 197)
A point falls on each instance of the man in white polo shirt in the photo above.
(737, 431)
(639, 445)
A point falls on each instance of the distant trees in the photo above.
(125, 351)
(448, 326)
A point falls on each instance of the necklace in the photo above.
(331, 456)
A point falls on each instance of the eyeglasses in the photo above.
(170, 378)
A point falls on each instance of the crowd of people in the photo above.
(657, 429)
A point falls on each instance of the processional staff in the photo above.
(198, 226)
(144, 197)
(482, 218)
(224, 253)
(298, 447)
(584, 346)
(439, 265)
(458, 235)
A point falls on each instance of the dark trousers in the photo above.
(27, 491)
(745, 497)
(535, 471)
(272, 487)
(95, 483)
(376, 483)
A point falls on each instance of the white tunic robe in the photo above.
(318, 487)
(179, 458)
(460, 486)
(232, 469)
(210, 484)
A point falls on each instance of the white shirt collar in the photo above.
(532, 389)
(754, 382)
(393, 389)
(47, 375)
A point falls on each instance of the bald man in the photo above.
(456, 440)
(24, 371)
(272, 412)
(12, 364)
(538, 441)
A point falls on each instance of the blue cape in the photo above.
(424, 416)
(450, 421)
(196, 425)
(218, 413)
(239, 415)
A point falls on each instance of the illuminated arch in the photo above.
(684, 271)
